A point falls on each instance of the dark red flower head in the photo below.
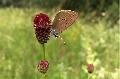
(43, 66)
(41, 20)
(42, 34)
(42, 27)
(90, 68)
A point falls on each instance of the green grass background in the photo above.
(87, 42)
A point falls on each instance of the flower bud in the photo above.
(43, 66)
(90, 68)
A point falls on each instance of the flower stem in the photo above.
(43, 45)
(45, 76)
(89, 76)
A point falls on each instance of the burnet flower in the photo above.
(42, 27)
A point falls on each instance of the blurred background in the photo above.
(93, 38)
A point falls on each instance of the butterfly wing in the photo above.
(63, 20)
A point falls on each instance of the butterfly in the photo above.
(62, 21)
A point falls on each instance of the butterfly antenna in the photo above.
(53, 32)
(61, 39)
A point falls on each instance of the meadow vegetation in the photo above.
(90, 39)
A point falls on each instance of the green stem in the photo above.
(89, 76)
(43, 45)
(45, 76)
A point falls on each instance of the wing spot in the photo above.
(63, 19)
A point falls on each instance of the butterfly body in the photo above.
(53, 32)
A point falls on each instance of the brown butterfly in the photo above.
(62, 21)
(43, 26)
